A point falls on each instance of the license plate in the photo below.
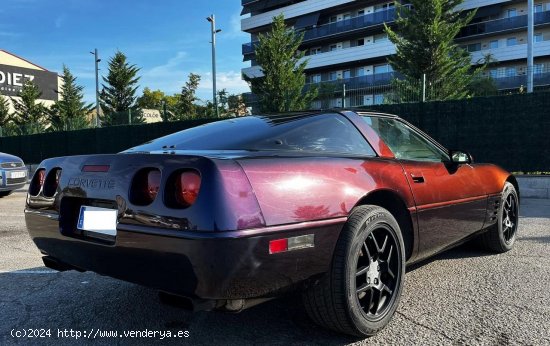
(18, 174)
(98, 220)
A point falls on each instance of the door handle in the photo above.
(417, 178)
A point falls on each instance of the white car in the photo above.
(13, 174)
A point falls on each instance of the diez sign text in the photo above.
(12, 79)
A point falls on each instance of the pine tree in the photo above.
(186, 108)
(70, 112)
(30, 115)
(424, 39)
(281, 87)
(117, 98)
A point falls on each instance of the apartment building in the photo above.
(345, 42)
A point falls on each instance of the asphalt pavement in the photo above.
(463, 296)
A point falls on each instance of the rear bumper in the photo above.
(205, 265)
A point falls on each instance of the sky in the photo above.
(166, 39)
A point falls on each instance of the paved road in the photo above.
(461, 297)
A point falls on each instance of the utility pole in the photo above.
(96, 60)
(212, 20)
(530, 38)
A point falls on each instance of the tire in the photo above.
(370, 237)
(5, 193)
(501, 237)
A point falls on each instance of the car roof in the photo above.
(308, 113)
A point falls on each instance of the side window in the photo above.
(405, 142)
(329, 133)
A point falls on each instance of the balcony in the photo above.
(516, 52)
(341, 56)
(503, 25)
(251, 6)
(341, 27)
(514, 82)
(366, 81)
(290, 11)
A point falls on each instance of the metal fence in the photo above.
(390, 88)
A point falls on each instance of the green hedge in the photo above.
(105, 140)
(512, 131)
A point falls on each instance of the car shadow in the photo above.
(85, 301)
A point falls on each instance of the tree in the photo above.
(281, 86)
(236, 106)
(222, 98)
(185, 107)
(4, 111)
(117, 98)
(70, 112)
(30, 115)
(157, 99)
(424, 40)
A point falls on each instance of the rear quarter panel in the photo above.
(302, 189)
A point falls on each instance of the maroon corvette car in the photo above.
(236, 212)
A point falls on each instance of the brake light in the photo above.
(188, 184)
(145, 186)
(52, 182)
(153, 184)
(37, 182)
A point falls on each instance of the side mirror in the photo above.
(461, 157)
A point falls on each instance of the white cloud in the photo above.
(230, 80)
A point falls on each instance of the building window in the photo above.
(474, 47)
(333, 19)
(347, 16)
(538, 37)
(493, 73)
(333, 76)
(360, 72)
(360, 13)
(347, 74)
(361, 42)
(380, 38)
(538, 8)
(378, 99)
(512, 41)
(384, 7)
(316, 78)
(493, 44)
(315, 51)
(538, 68)
(333, 47)
(511, 13)
(511, 72)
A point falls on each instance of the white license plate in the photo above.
(98, 220)
(18, 174)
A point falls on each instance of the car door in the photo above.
(450, 199)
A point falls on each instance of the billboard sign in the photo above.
(12, 79)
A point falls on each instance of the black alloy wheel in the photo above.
(360, 294)
(502, 236)
(377, 273)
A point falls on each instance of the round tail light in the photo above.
(188, 184)
(145, 186)
(52, 182)
(37, 182)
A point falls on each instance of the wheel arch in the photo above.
(392, 202)
(512, 180)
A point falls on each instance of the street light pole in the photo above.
(212, 20)
(96, 60)
(530, 39)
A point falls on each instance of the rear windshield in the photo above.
(310, 133)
